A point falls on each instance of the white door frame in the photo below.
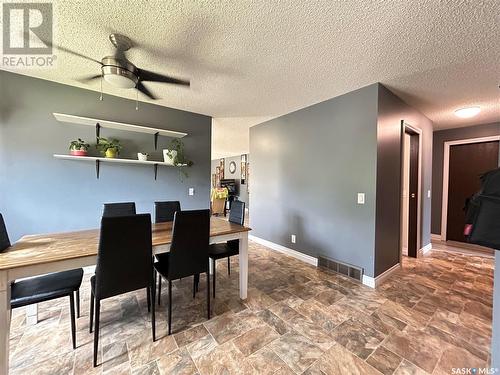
(446, 175)
(419, 190)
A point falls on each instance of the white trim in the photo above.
(419, 189)
(369, 281)
(426, 248)
(384, 275)
(446, 175)
(373, 282)
(285, 250)
(404, 251)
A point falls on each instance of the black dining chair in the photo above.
(122, 209)
(165, 212)
(188, 254)
(46, 287)
(229, 248)
(124, 264)
(118, 209)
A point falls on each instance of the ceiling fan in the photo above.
(120, 72)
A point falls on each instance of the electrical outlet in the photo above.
(361, 198)
(294, 239)
(191, 191)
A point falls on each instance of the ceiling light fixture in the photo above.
(467, 112)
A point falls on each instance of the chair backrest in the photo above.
(4, 236)
(190, 241)
(237, 213)
(165, 211)
(125, 256)
(118, 209)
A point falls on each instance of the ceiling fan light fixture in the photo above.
(467, 112)
(120, 81)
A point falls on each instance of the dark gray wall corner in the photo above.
(40, 194)
(391, 110)
(440, 137)
(306, 169)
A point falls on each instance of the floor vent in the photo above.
(342, 268)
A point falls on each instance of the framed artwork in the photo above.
(214, 180)
(243, 169)
(217, 177)
(221, 169)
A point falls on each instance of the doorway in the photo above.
(464, 162)
(410, 191)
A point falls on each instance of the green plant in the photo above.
(103, 144)
(79, 144)
(179, 158)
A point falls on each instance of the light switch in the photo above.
(191, 191)
(428, 193)
(294, 239)
(361, 198)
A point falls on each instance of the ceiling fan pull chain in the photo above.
(136, 99)
(100, 97)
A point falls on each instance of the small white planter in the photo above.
(167, 159)
(142, 156)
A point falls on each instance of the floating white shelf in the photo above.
(71, 119)
(98, 160)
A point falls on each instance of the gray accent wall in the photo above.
(440, 137)
(40, 194)
(391, 112)
(308, 166)
(306, 169)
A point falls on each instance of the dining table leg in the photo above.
(243, 260)
(4, 322)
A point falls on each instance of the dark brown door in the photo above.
(467, 163)
(413, 196)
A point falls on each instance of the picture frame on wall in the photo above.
(221, 169)
(217, 177)
(243, 169)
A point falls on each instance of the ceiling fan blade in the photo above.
(70, 51)
(147, 75)
(145, 91)
(89, 78)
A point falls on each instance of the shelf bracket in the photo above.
(97, 132)
(156, 170)
(97, 165)
(156, 140)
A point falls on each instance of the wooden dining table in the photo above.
(34, 255)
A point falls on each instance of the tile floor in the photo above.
(432, 315)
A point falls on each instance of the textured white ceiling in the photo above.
(266, 58)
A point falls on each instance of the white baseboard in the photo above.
(404, 250)
(373, 282)
(435, 237)
(426, 248)
(285, 250)
(369, 281)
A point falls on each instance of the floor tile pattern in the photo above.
(432, 315)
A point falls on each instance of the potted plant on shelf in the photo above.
(109, 147)
(175, 156)
(78, 148)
